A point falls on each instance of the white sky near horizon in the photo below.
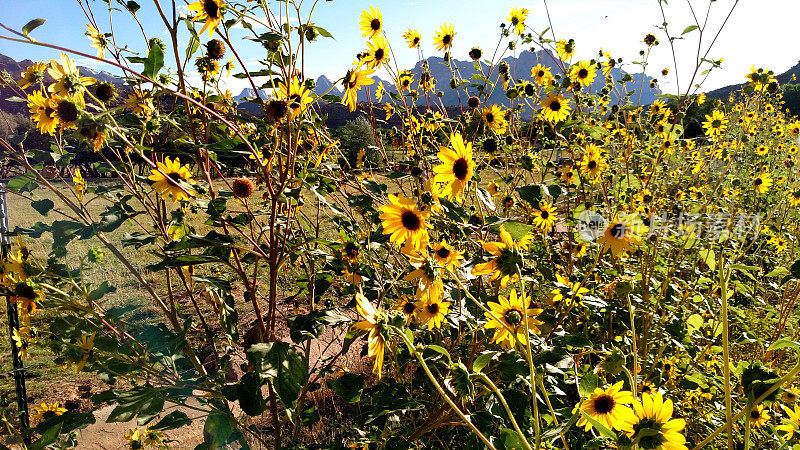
(760, 33)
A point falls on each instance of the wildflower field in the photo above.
(566, 267)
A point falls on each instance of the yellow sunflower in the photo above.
(517, 18)
(413, 38)
(655, 416)
(582, 72)
(69, 81)
(794, 197)
(566, 291)
(555, 107)
(140, 103)
(171, 178)
(759, 416)
(495, 118)
(353, 81)
(762, 183)
(608, 407)
(541, 75)
(405, 222)
(565, 49)
(404, 81)
(408, 306)
(621, 234)
(98, 40)
(296, 95)
(445, 255)
(456, 168)
(42, 112)
(715, 123)
(443, 39)
(48, 410)
(371, 22)
(545, 216)
(209, 11)
(373, 324)
(33, 74)
(593, 163)
(508, 319)
(792, 424)
(431, 306)
(378, 52)
(507, 258)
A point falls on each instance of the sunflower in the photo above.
(408, 306)
(210, 11)
(34, 74)
(378, 52)
(761, 150)
(655, 416)
(507, 258)
(647, 387)
(372, 323)
(456, 168)
(424, 272)
(566, 291)
(431, 306)
(48, 410)
(715, 123)
(353, 81)
(608, 407)
(555, 108)
(759, 416)
(21, 337)
(621, 234)
(371, 22)
(139, 103)
(413, 38)
(582, 72)
(98, 40)
(593, 163)
(517, 18)
(42, 112)
(565, 49)
(792, 424)
(446, 255)
(544, 216)
(443, 39)
(794, 197)
(66, 111)
(69, 81)
(762, 183)
(404, 80)
(541, 75)
(495, 118)
(134, 438)
(508, 318)
(169, 177)
(405, 222)
(296, 95)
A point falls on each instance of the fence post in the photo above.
(13, 319)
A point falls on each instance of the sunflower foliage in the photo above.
(570, 271)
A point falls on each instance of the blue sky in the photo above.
(759, 32)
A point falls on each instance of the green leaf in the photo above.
(794, 269)
(146, 402)
(48, 437)
(587, 384)
(217, 431)
(440, 349)
(348, 386)
(132, 6)
(323, 32)
(43, 206)
(783, 343)
(689, 29)
(32, 25)
(248, 393)
(778, 272)
(313, 324)
(599, 427)
(22, 183)
(483, 360)
(154, 62)
(280, 363)
(175, 419)
(708, 257)
(510, 440)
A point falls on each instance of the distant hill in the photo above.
(790, 76)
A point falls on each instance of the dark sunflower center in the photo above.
(583, 73)
(410, 220)
(443, 252)
(461, 169)
(646, 389)
(758, 182)
(173, 179)
(513, 317)
(540, 73)
(211, 8)
(351, 250)
(647, 198)
(755, 415)
(545, 214)
(406, 82)
(296, 101)
(592, 164)
(489, 117)
(49, 111)
(617, 231)
(604, 404)
(433, 308)
(446, 39)
(375, 25)
(796, 194)
(409, 308)
(416, 41)
(555, 105)
(379, 54)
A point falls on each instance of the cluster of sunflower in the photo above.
(24, 293)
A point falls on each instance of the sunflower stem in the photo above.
(633, 347)
(726, 357)
(747, 428)
(441, 391)
(502, 399)
(529, 358)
